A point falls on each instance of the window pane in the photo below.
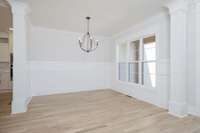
(149, 80)
(149, 48)
(134, 72)
(122, 71)
(134, 50)
(122, 55)
(149, 74)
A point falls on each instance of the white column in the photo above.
(197, 43)
(21, 88)
(178, 58)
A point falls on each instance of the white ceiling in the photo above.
(108, 16)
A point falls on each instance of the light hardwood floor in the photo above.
(102, 111)
(5, 103)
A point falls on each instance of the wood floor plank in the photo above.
(5, 103)
(103, 111)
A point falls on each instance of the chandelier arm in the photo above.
(90, 50)
(91, 44)
(83, 49)
(94, 48)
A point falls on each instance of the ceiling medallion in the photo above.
(87, 43)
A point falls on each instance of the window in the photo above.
(149, 62)
(137, 61)
(133, 64)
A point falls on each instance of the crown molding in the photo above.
(177, 5)
(19, 8)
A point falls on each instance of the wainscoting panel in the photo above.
(61, 77)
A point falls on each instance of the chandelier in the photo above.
(87, 43)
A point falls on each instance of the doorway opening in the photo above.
(6, 58)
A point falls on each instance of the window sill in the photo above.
(143, 87)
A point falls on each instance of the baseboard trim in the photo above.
(20, 105)
(192, 110)
(65, 91)
(178, 109)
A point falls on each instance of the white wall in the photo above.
(193, 58)
(197, 55)
(159, 25)
(58, 65)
